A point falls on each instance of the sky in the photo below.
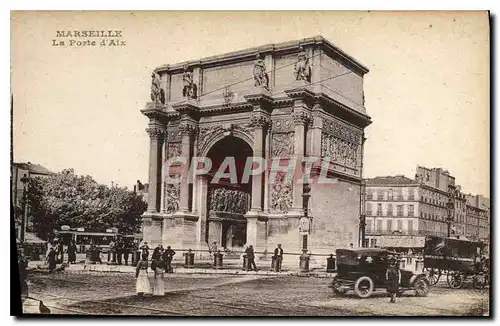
(427, 91)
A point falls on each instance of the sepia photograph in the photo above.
(250, 163)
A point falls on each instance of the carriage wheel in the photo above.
(433, 275)
(479, 281)
(455, 280)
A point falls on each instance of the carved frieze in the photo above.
(174, 135)
(228, 200)
(281, 194)
(187, 129)
(342, 131)
(282, 144)
(173, 150)
(172, 195)
(283, 125)
(339, 151)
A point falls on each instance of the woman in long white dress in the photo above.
(159, 282)
(142, 286)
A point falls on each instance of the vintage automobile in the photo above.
(363, 270)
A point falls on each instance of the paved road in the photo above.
(227, 295)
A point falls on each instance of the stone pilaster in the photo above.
(261, 121)
(301, 118)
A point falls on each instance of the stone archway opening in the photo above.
(228, 199)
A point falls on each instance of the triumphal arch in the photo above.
(299, 101)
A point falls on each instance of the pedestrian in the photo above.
(250, 259)
(159, 281)
(167, 256)
(393, 278)
(278, 256)
(142, 285)
(213, 249)
(126, 252)
(51, 259)
(157, 252)
(119, 251)
(60, 251)
(72, 252)
(144, 249)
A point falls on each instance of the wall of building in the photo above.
(335, 211)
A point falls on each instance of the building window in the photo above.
(400, 210)
(380, 195)
(379, 226)
(368, 208)
(410, 227)
(411, 210)
(369, 195)
(400, 194)
(389, 225)
(400, 225)
(368, 227)
(411, 194)
(389, 210)
(379, 209)
(390, 196)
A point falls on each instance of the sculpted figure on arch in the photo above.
(157, 93)
(259, 72)
(302, 66)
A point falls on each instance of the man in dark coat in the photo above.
(119, 251)
(250, 259)
(278, 255)
(157, 252)
(144, 249)
(393, 277)
(167, 256)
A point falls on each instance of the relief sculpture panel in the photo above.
(339, 151)
(228, 200)
(173, 150)
(282, 144)
(281, 194)
(172, 192)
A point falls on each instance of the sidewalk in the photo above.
(228, 270)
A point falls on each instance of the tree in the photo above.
(79, 201)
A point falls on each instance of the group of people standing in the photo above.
(55, 253)
(250, 256)
(161, 262)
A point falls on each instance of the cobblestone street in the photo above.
(232, 295)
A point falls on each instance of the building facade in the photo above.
(397, 206)
(19, 190)
(281, 102)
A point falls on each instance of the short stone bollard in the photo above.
(245, 262)
(304, 261)
(189, 259)
(218, 259)
(330, 264)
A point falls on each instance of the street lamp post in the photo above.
(25, 181)
(449, 219)
(306, 195)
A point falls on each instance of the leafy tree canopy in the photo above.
(79, 201)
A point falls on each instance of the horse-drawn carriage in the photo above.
(460, 260)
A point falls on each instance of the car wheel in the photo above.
(421, 287)
(364, 287)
